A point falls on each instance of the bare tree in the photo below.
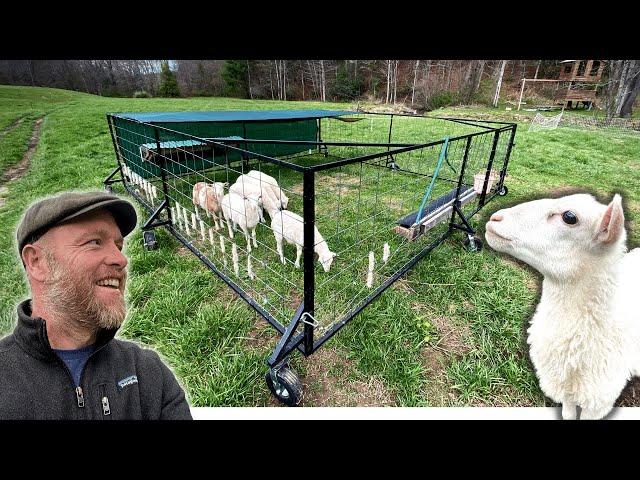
(388, 80)
(496, 96)
(323, 81)
(629, 88)
(415, 77)
(395, 80)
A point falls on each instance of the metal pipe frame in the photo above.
(309, 215)
(483, 195)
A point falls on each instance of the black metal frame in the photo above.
(304, 341)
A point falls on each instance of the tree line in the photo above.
(421, 85)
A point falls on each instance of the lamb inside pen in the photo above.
(242, 212)
(585, 334)
(290, 227)
(250, 189)
(209, 198)
(269, 182)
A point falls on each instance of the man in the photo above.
(62, 360)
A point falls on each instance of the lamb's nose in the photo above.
(496, 217)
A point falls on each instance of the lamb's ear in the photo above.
(611, 224)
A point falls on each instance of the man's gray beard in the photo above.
(74, 300)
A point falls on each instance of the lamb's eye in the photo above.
(569, 217)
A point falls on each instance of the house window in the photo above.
(594, 68)
(581, 68)
(567, 68)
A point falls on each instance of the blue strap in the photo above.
(443, 152)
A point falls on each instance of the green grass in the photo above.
(214, 341)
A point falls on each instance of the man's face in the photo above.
(87, 270)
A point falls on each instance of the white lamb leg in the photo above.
(195, 207)
(234, 256)
(569, 411)
(298, 255)
(386, 252)
(194, 221)
(186, 221)
(178, 216)
(253, 235)
(213, 243)
(229, 228)
(202, 232)
(224, 257)
(250, 268)
(280, 249)
(372, 263)
(183, 218)
(247, 238)
(173, 214)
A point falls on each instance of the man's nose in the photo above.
(116, 257)
(496, 217)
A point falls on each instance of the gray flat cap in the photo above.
(51, 211)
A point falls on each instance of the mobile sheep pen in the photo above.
(380, 191)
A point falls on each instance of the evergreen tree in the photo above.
(235, 76)
(168, 84)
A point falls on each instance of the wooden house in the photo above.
(578, 82)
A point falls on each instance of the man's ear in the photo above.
(35, 262)
(611, 224)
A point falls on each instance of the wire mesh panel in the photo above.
(199, 179)
(359, 205)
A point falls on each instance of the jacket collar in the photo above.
(31, 334)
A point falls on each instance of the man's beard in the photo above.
(73, 297)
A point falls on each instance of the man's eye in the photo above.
(93, 242)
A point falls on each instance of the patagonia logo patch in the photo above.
(125, 382)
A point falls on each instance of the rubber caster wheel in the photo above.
(503, 191)
(473, 244)
(149, 240)
(287, 388)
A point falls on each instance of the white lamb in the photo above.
(253, 191)
(585, 334)
(208, 197)
(242, 212)
(289, 226)
(266, 181)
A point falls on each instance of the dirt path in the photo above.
(11, 127)
(16, 171)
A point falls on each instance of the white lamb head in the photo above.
(326, 259)
(562, 237)
(284, 201)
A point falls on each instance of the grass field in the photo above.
(449, 333)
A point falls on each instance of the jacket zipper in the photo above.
(80, 397)
(104, 400)
(78, 390)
